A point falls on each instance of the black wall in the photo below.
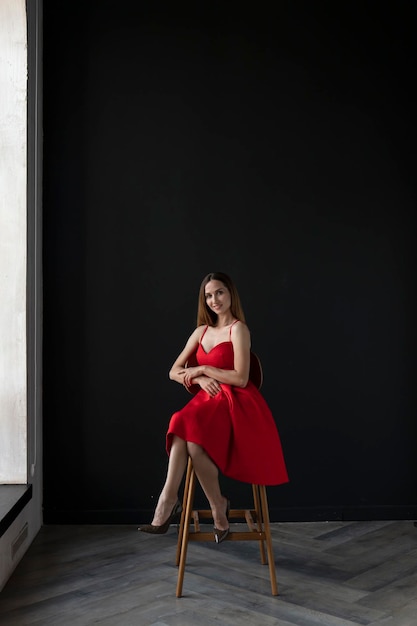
(279, 148)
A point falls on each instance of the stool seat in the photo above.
(256, 519)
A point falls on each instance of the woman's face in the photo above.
(218, 297)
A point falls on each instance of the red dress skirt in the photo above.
(236, 427)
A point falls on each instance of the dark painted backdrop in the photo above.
(278, 147)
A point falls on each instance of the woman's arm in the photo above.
(178, 369)
(238, 376)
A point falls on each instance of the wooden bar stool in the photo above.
(256, 518)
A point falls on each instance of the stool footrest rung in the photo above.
(234, 535)
(243, 514)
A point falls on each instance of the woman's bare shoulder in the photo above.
(241, 329)
(197, 332)
(240, 334)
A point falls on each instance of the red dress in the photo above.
(235, 427)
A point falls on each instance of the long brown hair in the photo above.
(206, 315)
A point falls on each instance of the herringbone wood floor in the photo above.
(329, 574)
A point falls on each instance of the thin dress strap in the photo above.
(230, 330)
(204, 332)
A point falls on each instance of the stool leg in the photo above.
(259, 520)
(184, 506)
(267, 528)
(185, 533)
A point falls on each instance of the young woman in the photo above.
(227, 425)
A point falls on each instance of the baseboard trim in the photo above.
(292, 514)
(349, 513)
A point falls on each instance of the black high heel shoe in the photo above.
(161, 530)
(220, 535)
